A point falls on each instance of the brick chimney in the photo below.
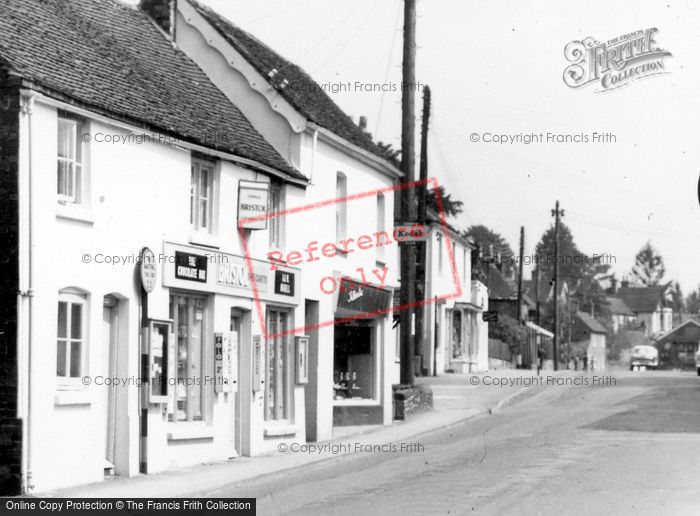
(363, 123)
(163, 13)
(613, 285)
(625, 283)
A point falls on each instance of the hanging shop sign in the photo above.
(253, 204)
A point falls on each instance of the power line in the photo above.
(388, 66)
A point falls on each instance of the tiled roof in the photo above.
(302, 92)
(618, 307)
(643, 299)
(590, 323)
(687, 331)
(110, 58)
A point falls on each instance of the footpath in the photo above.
(456, 397)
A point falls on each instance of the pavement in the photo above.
(456, 398)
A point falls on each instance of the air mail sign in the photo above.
(253, 204)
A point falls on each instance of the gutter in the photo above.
(30, 89)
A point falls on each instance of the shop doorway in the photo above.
(239, 323)
(110, 339)
(278, 367)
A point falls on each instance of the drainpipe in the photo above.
(26, 292)
(313, 156)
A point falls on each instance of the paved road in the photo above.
(632, 447)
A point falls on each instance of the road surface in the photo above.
(628, 445)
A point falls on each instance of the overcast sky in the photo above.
(497, 67)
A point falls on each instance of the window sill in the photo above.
(73, 397)
(189, 431)
(204, 239)
(280, 430)
(74, 212)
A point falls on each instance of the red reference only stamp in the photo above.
(360, 271)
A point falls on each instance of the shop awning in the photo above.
(469, 306)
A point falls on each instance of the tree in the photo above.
(449, 206)
(582, 275)
(692, 302)
(393, 155)
(648, 267)
(677, 301)
(487, 239)
(509, 331)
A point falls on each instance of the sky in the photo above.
(496, 68)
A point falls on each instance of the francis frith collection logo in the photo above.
(614, 63)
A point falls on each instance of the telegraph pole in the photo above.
(537, 290)
(422, 246)
(556, 213)
(408, 207)
(520, 275)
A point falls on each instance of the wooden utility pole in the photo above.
(556, 213)
(408, 201)
(537, 291)
(520, 276)
(421, 284)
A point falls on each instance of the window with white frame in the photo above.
(69, 175)
(71, 336)
(381, 223)
(202, 196)
(276, 222)
(341, 209)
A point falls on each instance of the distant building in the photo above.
(620, 314)
(677, 348)
(589, 339)
(650, 306)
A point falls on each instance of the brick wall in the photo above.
(10, 426)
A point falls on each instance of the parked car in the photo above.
(646, 356)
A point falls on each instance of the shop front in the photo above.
(218, 382)
(362, 323)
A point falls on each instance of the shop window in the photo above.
(202, 197)
(189, 315)
(354, 362)
(71, 341)
(278, 367)
(276, 222)
(70, 177)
